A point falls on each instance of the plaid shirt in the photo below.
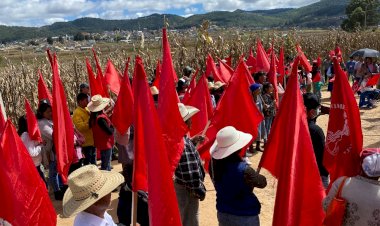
(190, 172)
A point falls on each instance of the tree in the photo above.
(361, 14)
(61, 39)
(50, 40)
(79, 36)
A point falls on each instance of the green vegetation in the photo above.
(361, 14)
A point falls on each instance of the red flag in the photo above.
(272, 77)
(191, 88)
(211, 70)
(24, 199)
(262, 61)
(225, 70)
(251, 61)
(3, 115)
(303, 59)
(43, 91)
(156, 82)
(317, 77)
(163, 207)
(175, 128)
(95, 89)
(50, 58)
(100, 78)
(344, 139)
(289, 156)
(122, 112)
(33, 129)
(338, 53)
(200, 99)
(229, 61)
(63, 129)
(373, 80)
(281, 66)
(229, 111)
(112, 79)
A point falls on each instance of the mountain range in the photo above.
(322, 14)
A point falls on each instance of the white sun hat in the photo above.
(187, 111)
(228, 141)
(154, 90)
(371, 165)
(98, 103)
(87, 185)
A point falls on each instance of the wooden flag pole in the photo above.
(134, 209)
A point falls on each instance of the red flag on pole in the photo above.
(50, 58)
(211, 70)
(303, 59)
(281, 66)
(225, 71)
(251, 61)
(33, 129)
(24, 199)
(373, 80)
(200, 99)
(163, 207)
(156, 82)
(63, 129)
(229, 111)
(272, 77)
(95, 89)
(122, 112)
(112, 79)
(229, 61)
(43, 91)
(175, 128)
(191, 88)
(344, 139)
(262, 61)
(100, 78)
(289, 156)
(3, 115)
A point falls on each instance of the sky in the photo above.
(44, 12)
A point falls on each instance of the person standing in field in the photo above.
(350, 65)
(256, 94)
(189, 174)
(234, 180)
(102, 129)
(269, 106)
(81, 118)
(85, 89)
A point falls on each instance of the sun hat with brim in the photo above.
(154, 90)
(98, 103)
(219, 84)
(371, 162)
(228, 141)
(88, 185)
(187, 111)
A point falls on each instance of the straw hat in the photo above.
(154, 90)
(228, 141)
(87, 185)
(187, 111)
(98, 103)
(210, 85)
(219, 84)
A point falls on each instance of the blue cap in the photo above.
(254, 87)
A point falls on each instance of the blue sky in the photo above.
(45, 12)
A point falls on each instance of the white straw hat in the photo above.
(371, 165)
(98, 103)
(87, 185)
(187, 111)
(228, 141)
(219, 84)
(154, 90)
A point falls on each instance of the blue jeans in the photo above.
(105, 157)
(226, 219)
(366, 98)
(268, 124)
(54, 179)
(89, 154)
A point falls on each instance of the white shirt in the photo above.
(33, 148)
(87, 219)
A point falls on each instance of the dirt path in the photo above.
(371, 131)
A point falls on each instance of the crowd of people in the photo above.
(88, 194)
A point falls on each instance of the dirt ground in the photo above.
(371, 132)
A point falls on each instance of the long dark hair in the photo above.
(22, 125)
(44, 105)
(218, 167)
(93, 117)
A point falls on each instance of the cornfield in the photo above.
(19, 79)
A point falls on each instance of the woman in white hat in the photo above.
(234, 180)
(102, 129)
(189, 174)
(89, 196)
(361, 192)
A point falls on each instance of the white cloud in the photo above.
(191, 10)
(53, 20)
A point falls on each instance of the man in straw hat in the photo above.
(189, 175)
(89, 196)
(102, 129)
(234, 179)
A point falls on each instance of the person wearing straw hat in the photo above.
(89, 196)
(102, 129)
(234, 180)
(155, 92)
(189, 174)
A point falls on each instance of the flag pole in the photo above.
(134, 209)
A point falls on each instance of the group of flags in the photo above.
(159, 132)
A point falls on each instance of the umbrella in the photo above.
(365, 53)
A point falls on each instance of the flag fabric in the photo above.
(190, 89)
(303, 59)
(344, 139)
(172, 124)
(162, 202)
(373, 80)
(229, 61)
(200, 99)
(122, 112)
(100, 78)
(63, 129)
(262, 61)
(112, 78)
(43, 91)
(33, 129)
(251, 61)
(94, 86)
(156, 81)
(50, 58)
(24, 199)
(225, 70)
(212, 70)
(236, 108)
(3, 115)
(272, 77)
(289, 157)
(281, 66)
